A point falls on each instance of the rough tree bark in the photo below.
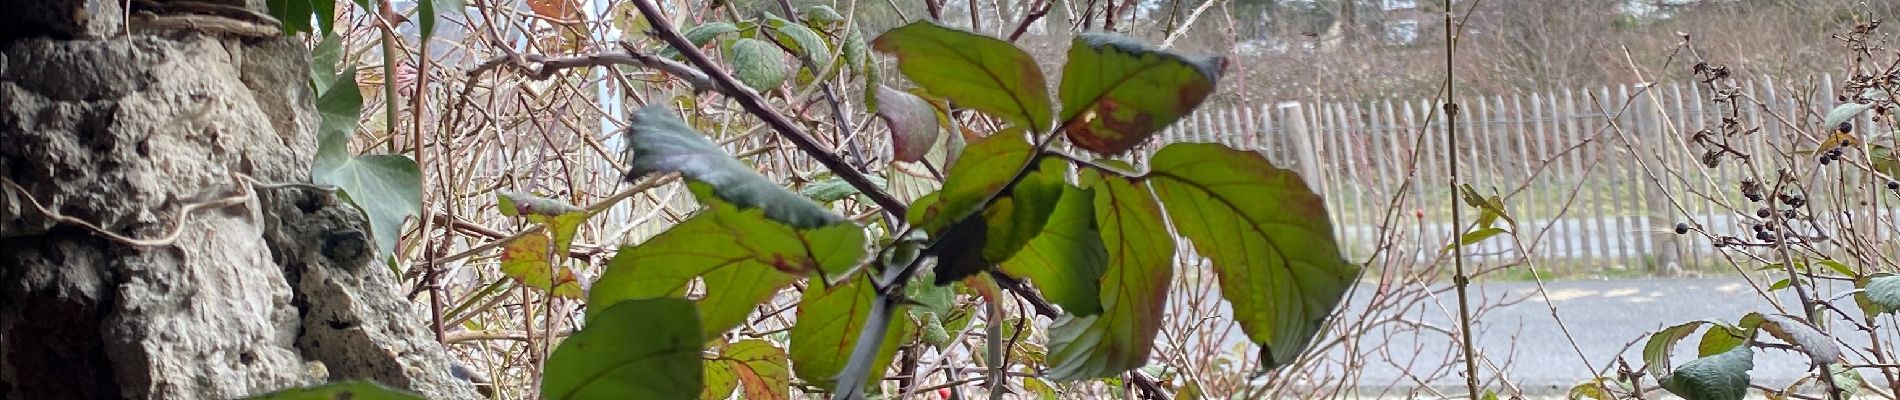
(125, 123)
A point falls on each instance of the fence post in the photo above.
(1303, 149)
(1652, 136)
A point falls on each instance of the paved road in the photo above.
(1602, 315)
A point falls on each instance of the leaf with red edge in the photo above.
(972, 70)
(762, 369)
(1134, 288)
(1117, 92)
(913, 123)
(526, 260)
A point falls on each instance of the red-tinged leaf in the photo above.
(1117, 92)
(913, 123)
(762, 369)
(526, 260)
(972, 70)
(1134, 288)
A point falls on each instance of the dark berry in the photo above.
(1893, 185)
(1754, 198)
(1764, 235)
(1682, 228)
(1760, 227)
(1825, 159)
(1721, 243)
(1846, 127)
(1789, 214)
(1763, 212)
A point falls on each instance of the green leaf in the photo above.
(1593, 389)
(1066, 260)
(1779, 285)
(1720, 338)
(801, 40)
(388, 188)
(700, 35)
(721, 380)
(1475, 237)
(981, 236)
(744, 257)
(526, 260)
(1719, 377)
(981, 173)
(636, 349)
(1844, 113)
(757, 64)
(1018, 216)
(829, 320)
(832, 188)
(660, 142)
(325, 61)
(857, 56)
(913, 123)
(1883, 293)
(294, 14)
(1117, 92)
(1268, 236)
(1134, 288)
(822, 16)
(758, 366)
(1805, 337)
(1656, 350)
(358, 389)
(428, 13)
(1839, 268)
(972, 70)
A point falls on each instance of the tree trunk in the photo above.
(126, 131)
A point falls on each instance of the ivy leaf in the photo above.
(829, 320)
(759, 367)
(757, 64)
(387, 187)
(295, 15)
(658, 141)
(1268, 237)
(1134, 288)
(325, 59)
(972, 70)
(636, 349)
(913, 123)
(358, 389)
(1818, 346)
(1117, 92)
(744, 257)
(801, 40)
(526, 260)
(1719, 377)
(1066, 260)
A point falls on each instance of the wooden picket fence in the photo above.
(1578, 188)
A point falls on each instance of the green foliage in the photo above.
(1881, 293)
(1805, 337)
(1117, 92)
(352, 389)
(1066, 260)
(635, 349)
(829, 320)
(387, 187)
(972, 70)
(758, 64)
(913, 123)
(658, 141)
(956, 214)
(1134, 288)
(528, 259)
(1656, 350)
(743, 256)
(755, 365)
(1267, 236)
(1719, 377)
(296, 15)
(801, 40)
